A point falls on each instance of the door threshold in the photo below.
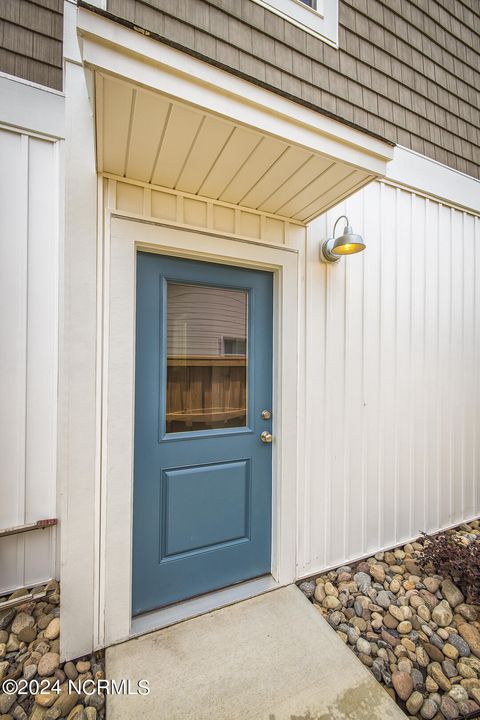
(157, 619)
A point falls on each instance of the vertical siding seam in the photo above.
(463, 395)
(437, 396)
(304, 541)
(450, 367)
(25, 141)
(363, 390)
(307, 534)
(327, 431)
(345, 444)
(395, 369)
(425, 206)
(411, 340)
(380, 423)
(476, 372)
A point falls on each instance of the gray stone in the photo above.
(334, 619)
(459, 643)
(383, 599)
(458, 693)
(6, 617)
(449, 669)
(429, 709)
(437, 641)
(363, 581)
(363, 646)
(377, 671)
(387, 677)
(29, 672)
(427, 630)
(308, 588)
(417, 678)
(452, 593)
(353, 634)
(448, 707)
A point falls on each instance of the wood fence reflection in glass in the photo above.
(206, 357)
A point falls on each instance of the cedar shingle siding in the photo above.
(31, 34)
(407, 70)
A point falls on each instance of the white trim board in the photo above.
(121, 244)
(30, 107)
(418, 172)
(115, 49)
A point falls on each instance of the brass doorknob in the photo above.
(266, 437)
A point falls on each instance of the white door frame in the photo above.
(126, 237)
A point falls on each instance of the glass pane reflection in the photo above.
(206, 357)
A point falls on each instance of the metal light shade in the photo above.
(347, 244)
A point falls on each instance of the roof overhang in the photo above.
(166, 118)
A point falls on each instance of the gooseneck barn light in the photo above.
(346, 244)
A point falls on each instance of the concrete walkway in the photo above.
(272, 657)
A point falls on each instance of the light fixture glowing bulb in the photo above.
(346, 244)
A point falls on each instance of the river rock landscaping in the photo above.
(414, 629)
(29, 655)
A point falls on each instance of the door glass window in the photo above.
(206, 357)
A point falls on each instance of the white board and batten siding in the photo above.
(392, 387)
(29, 246)
(392, 378)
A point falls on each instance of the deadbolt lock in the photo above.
(266, 414)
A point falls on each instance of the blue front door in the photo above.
(203, 398)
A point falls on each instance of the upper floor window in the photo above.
(317, 17)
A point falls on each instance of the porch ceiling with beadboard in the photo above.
(146, 136)
(166, 118)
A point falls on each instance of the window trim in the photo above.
(321, 22)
